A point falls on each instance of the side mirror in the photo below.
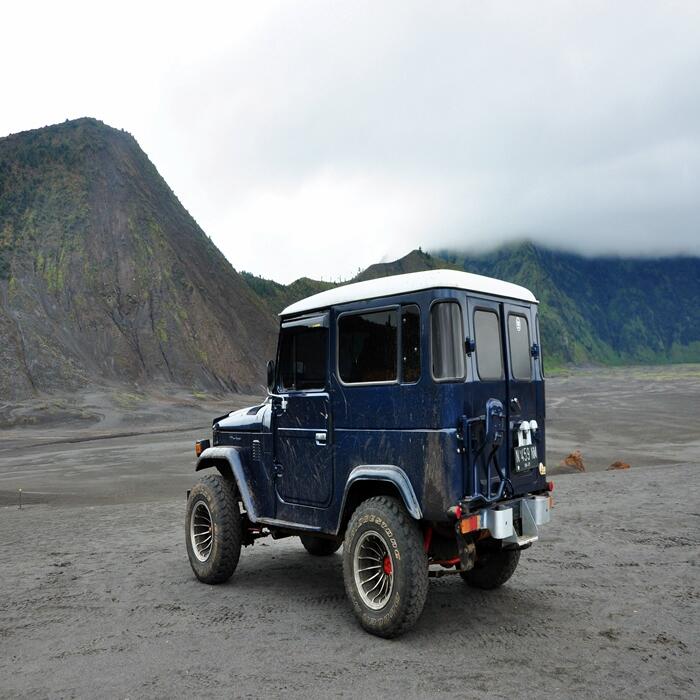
(270, 375)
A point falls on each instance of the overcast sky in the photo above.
(314, 138)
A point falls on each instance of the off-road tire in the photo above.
(219, 496)
(320, 546)
(492, 569)
(387, 518)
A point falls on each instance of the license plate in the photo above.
(526, 458)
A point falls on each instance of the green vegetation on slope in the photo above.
(603, 309)
(105, 276)
(592, 310)
(278, 296)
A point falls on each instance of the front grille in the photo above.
(257, 451)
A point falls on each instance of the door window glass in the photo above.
(410, 344)
(367, 347)
(519, 343)
(447, 341)
(302, 357)
(489, 355)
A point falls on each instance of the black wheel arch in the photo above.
(368, 481)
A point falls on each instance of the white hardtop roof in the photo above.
(410, 282)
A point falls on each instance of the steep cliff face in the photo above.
(104, 276)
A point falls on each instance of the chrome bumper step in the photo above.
(532, 511)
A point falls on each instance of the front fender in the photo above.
(386, 472)
(221, 458)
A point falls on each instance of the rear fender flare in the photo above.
(228, 462)
(383, 473)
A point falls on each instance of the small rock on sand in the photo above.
(572, 463)
(618, 465)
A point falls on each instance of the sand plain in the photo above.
(97, 598)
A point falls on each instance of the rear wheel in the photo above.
(319, 546)
(213, 529)
(385, 567)
(493, 568)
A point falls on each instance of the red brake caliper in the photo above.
(386, 565)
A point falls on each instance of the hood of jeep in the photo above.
(245, 419)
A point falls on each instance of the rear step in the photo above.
(530, 511)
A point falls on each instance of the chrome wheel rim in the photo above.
(373, 569)
(201, 531)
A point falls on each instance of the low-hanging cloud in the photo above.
(315, 138)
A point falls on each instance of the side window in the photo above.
(410, 344)
(303, 357)
(368, 347)
(489, 353)
(519, 344)
(447, 341)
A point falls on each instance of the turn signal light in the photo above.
(469, 524)
(200, 446)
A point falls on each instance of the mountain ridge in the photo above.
(593, 309)
(101, 267)
(105, 277)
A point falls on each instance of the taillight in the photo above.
(469, 524)
(550, 486)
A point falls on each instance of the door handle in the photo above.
(321, 438)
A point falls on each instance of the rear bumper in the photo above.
(517, 521)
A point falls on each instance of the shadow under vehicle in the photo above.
(405, 420)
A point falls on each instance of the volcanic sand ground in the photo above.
(97, 597)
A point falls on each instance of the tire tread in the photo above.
(229, 521)
(412, 547)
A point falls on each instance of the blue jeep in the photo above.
(405, 419)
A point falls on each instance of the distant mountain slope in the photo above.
(415, 261)
(593, 310)
(278, 296)
(604, 309)
(599, 309)
(104, 276)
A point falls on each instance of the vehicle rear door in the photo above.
(489, 379)
(524, 445)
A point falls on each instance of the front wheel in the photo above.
(213, 529)
(385, 567)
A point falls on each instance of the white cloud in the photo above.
(312, 138)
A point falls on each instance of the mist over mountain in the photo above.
(104, 276)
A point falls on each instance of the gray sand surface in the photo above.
(99, 601)
(97, 598)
